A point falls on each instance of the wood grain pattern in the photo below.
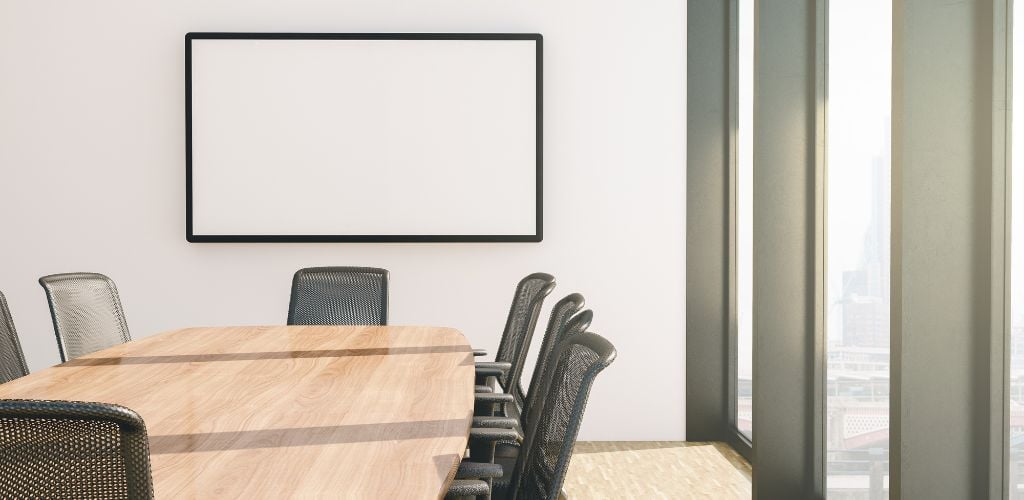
(284, 412)
(657, 470)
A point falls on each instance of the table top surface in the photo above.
(285, 411)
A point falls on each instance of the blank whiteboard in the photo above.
(363, 137)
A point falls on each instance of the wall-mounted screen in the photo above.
(363, 137)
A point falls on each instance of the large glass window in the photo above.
(1016, 479)
(744, 219)
(857, 248)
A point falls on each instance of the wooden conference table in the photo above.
(280, 412)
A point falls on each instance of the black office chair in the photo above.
(506, 452)
(561, 330)
(507, 366)
(69, 449)
(339, 296)
(540, 469)
(561, 314)
(12, 359)
(86, 311)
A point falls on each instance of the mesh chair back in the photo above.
(339, 296)
(12, 359)
(541, 466)
(87, 313)
(577, 324)
(522, 320)
(560, 314)
(68, 449)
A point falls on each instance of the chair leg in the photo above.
(481, 451)
(483, 409)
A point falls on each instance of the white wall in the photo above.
(92, 179)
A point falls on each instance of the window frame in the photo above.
(734, 436)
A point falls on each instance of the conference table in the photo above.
(286, 411)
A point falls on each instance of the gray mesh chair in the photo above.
(68, 449)
(505, 452)
(561, 313)
(12, 359)
(86, 311)
(507, 366)
(339, 296)
(540, 469)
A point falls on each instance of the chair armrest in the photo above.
(486, 403)
(490, 372)
(493, 397)
(495, 422)
(479, 352)
(492, 435)
(478, 470)
(492, 368)
(483, 442)
(468, 488)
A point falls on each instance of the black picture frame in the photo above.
(352, 238)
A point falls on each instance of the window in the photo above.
(857, 248)
(1016, 424)
(744, 220)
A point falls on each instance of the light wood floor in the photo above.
(656, 469)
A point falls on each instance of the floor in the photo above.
(656, 469)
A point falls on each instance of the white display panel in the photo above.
(382, 139)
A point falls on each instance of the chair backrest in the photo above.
(522, 321)
(86, 311)
(544, 459)
(561, 312)
(577, 324)
(339, 296)
(12, 359)
(70, 449)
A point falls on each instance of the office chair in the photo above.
(517, 416)
(507, 366)
(339, 296)
(69, 449)
(86, 311)
(540, 468)
(565, 326)
(12, 359)
(560, 314)
(505, 452)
